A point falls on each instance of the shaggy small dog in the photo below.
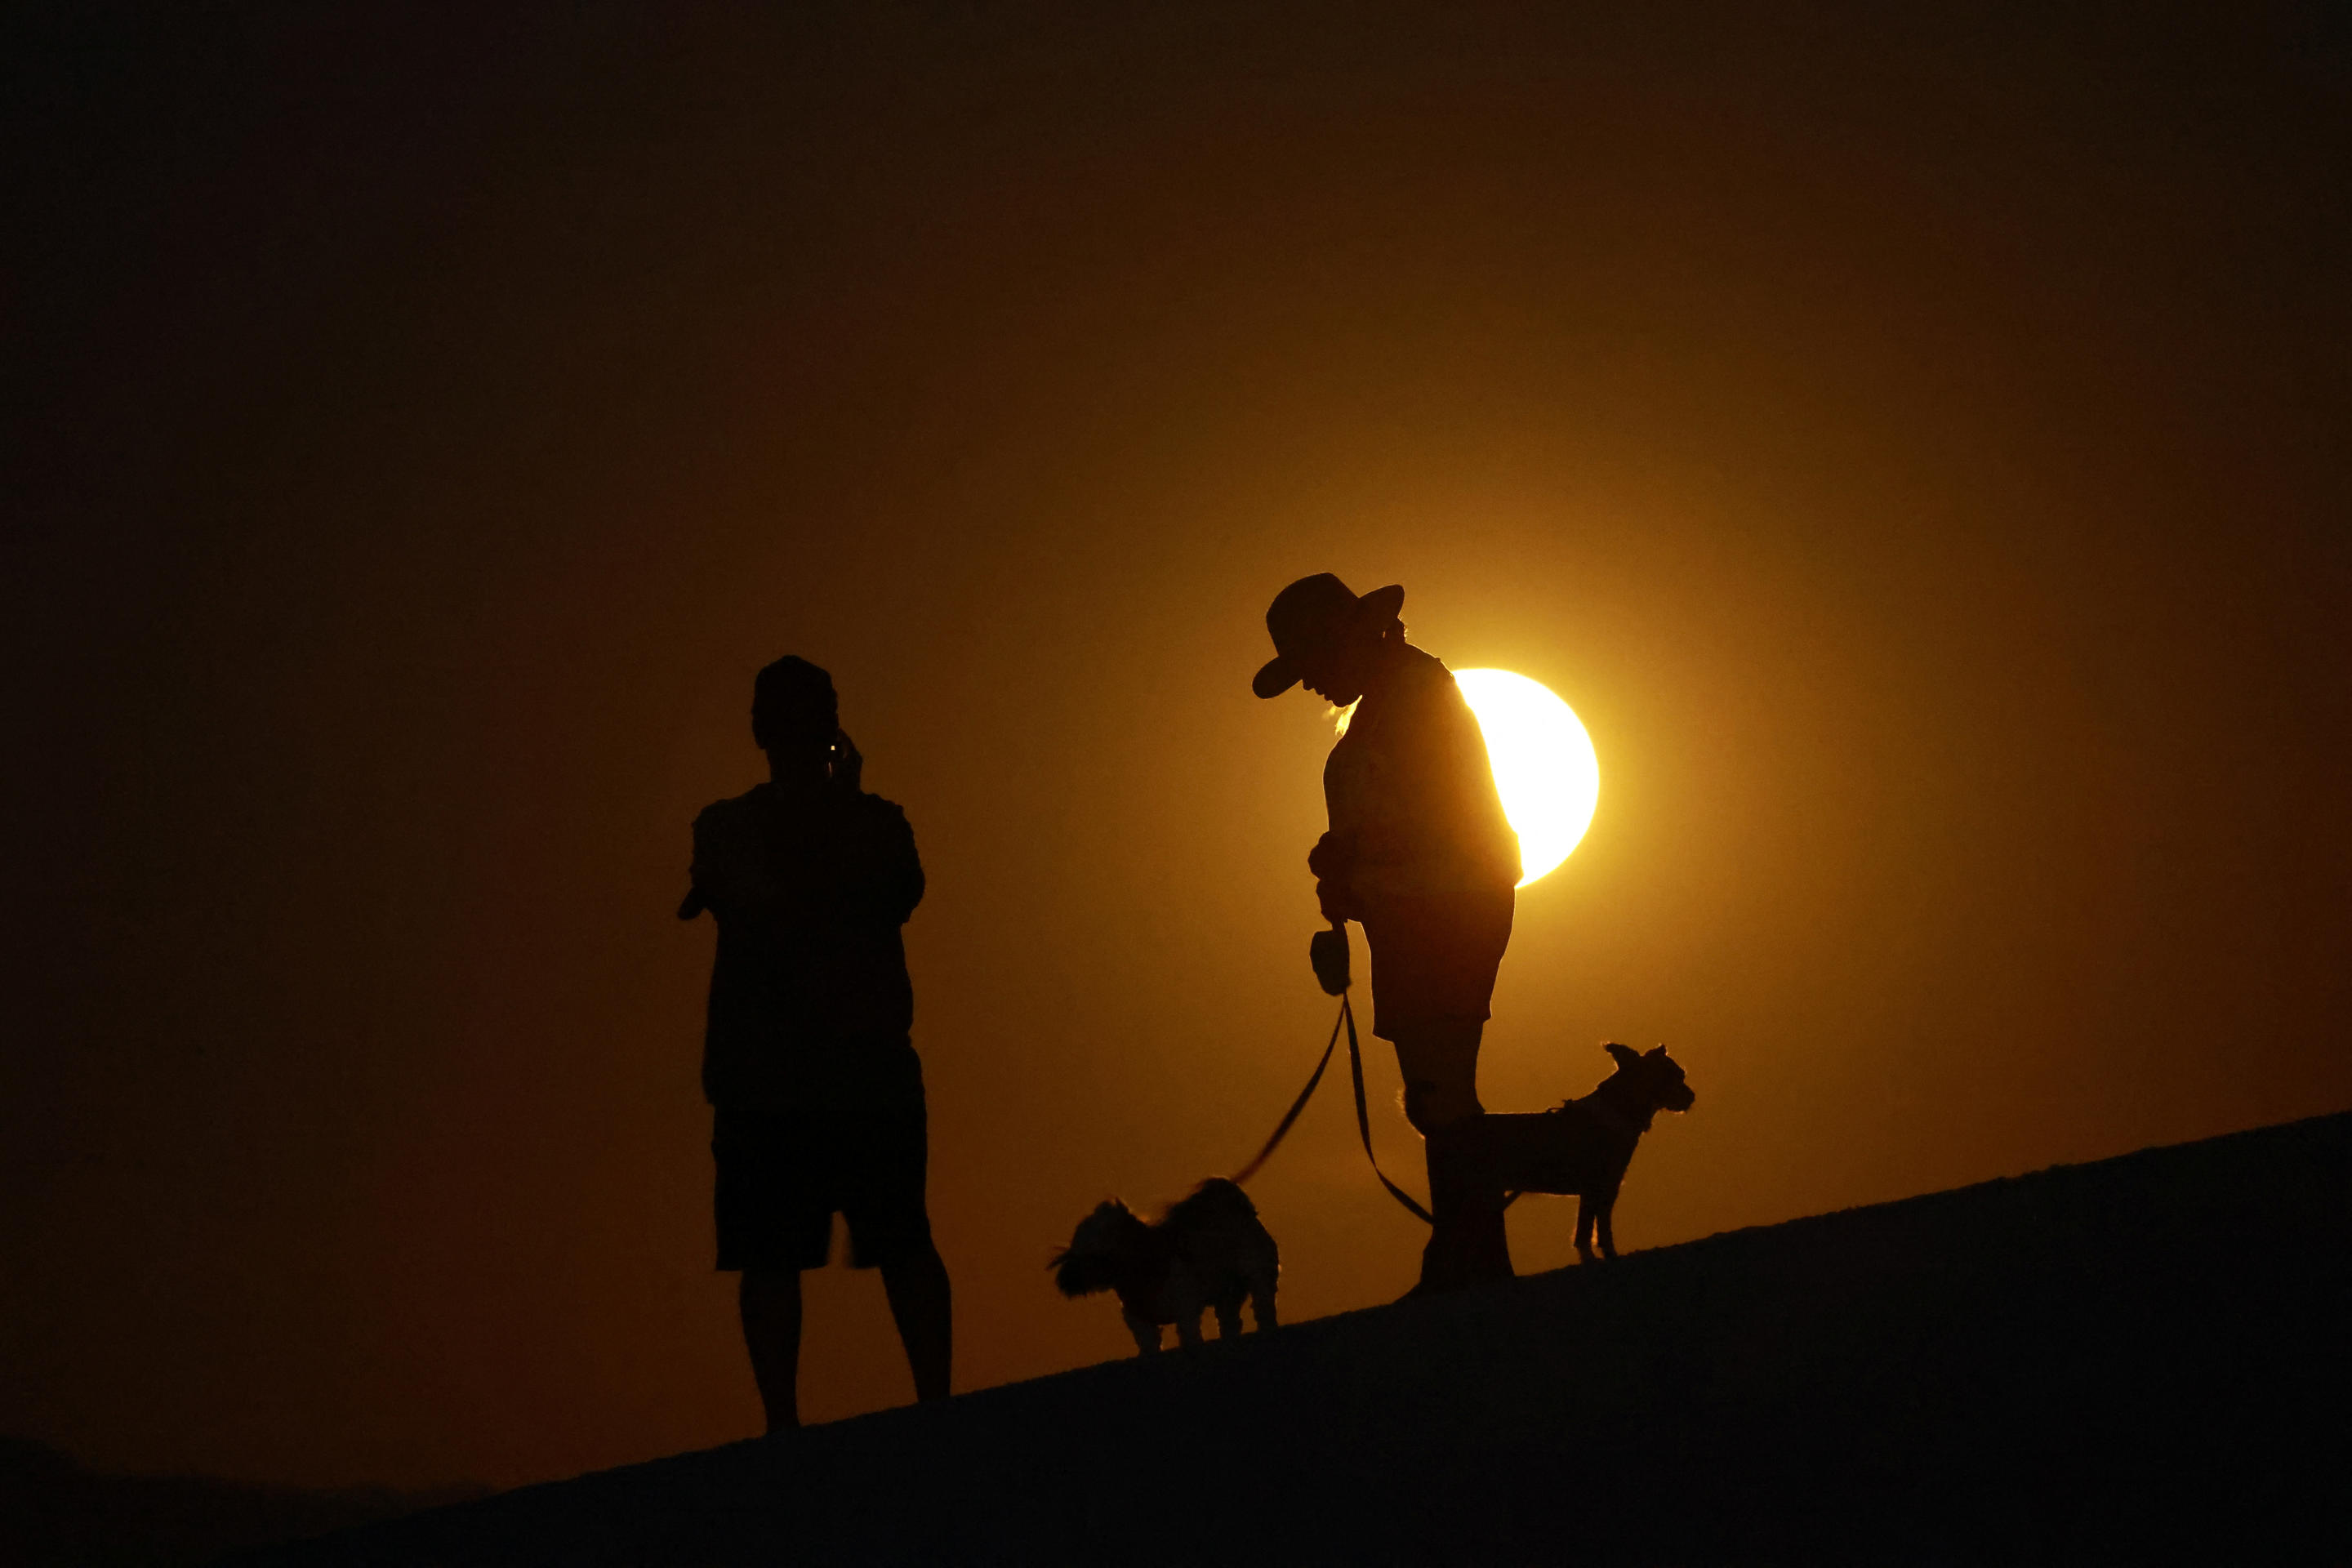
(1210, 1251)
(1582, 1146)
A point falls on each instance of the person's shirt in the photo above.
(810, 888)
(1411, 793)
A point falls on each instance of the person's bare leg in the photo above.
(923, 1305)
(769, 1300)
(1439, 1064)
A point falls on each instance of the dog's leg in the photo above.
(1607, 1237)
(1229, 1317)
(1587, 1209)
(1147, 1335)
(1187, 1329)
(1262, 1305)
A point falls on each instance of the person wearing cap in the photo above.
(1419, 854)
(808, 1061)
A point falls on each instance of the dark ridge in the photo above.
(54, 1512)
(2141, 1359)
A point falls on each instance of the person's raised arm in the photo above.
(696, 900)
(888, 880)
(902, 877)
(846, 766)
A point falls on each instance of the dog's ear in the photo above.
(1625, 1056)
(1658, 1055)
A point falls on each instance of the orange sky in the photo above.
(1914, 450)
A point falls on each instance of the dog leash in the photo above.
(1283, 1130)
(1364, 1120)
(1346, 1020)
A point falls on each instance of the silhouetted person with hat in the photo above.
(1420, 853)
(816, 1093)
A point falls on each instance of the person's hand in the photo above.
(1339, 906)
(848, 762)
(1333, 862)
(1332, 855)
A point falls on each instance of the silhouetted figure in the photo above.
(1419, 852)
(1210, 1251)
(1583, 1146)
(816, 1093)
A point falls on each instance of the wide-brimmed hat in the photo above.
(1312, 614)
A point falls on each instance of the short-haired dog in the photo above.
(1582, 1146)
(1210, 1251)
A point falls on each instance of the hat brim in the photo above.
(1277, 675)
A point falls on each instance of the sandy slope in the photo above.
(2137, 1359)
(54, 1513)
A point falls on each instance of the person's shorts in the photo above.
(854, 1142)
(1434, 957)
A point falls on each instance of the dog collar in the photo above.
(1610, 1116)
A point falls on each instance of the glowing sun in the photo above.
(1544, 766)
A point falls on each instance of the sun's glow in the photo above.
(1544, 764)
